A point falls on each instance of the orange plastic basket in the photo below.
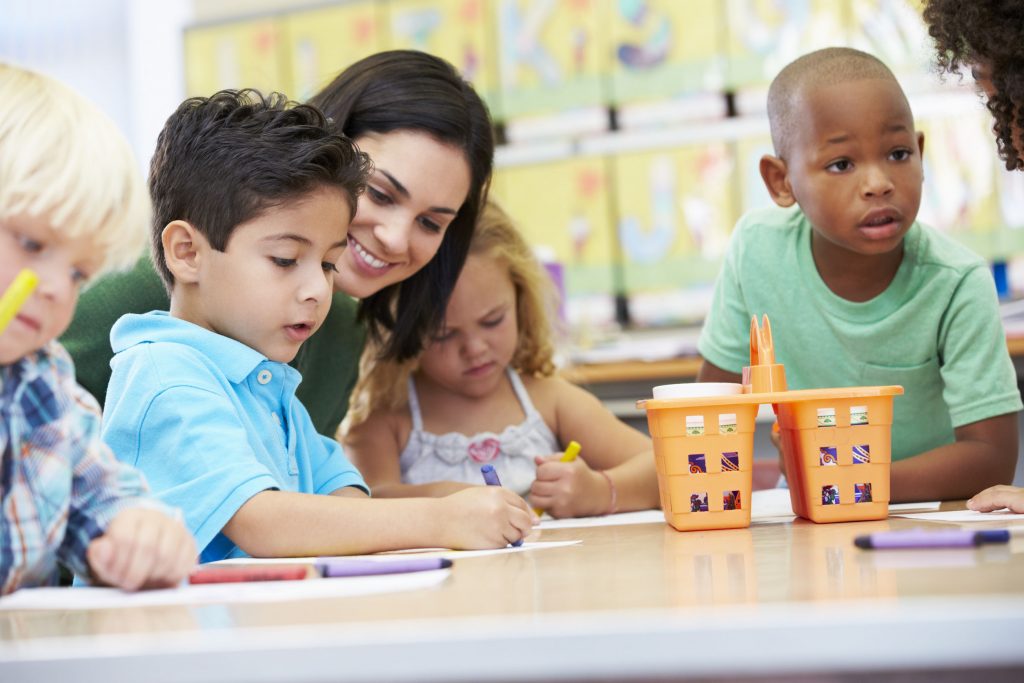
(836, 444)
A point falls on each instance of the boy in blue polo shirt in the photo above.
(253, 198)
(857, 291)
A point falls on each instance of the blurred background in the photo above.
(630, 129)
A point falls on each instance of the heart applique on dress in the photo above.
(485, 450)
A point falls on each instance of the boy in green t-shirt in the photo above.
(858, 292)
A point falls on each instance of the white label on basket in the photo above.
(858, 415)
(826, 417)
(727, 423)
(694, 425)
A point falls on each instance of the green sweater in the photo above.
(328, 361)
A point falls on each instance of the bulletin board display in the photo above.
(751, 192)
(893, 31)
(676, 210)
(665, 49)
(562, 209)
(246, 54)
(459, 31)
(765, 35)
(551, 55)
(320, 43)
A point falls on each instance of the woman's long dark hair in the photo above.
(414, 91)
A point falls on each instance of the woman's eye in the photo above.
(377, 196)
(329, 267)
(282, 262)
(430, 225)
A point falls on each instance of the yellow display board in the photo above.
(552, 54)
(676, 210)
(322, 42)
(662, 49)
(562, 208)
(765, 35)
(459, 31)
(245, 54)
(893, 31)
(749, 150)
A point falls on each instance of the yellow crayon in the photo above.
(15, 296)
(571, 451)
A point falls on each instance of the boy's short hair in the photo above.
(823, 67)
(223, 160)
(62, 158)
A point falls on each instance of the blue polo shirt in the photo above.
(212, 422)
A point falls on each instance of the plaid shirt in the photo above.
(60, 485)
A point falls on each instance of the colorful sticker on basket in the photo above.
(858, 415)
(861, 454)
(697, 463)
(698, 502)
(731, 500)
(827, 456)
(727, 423)
(826, 417)
(730, 461)
(862, 493)
(694, 425)
(830, 494)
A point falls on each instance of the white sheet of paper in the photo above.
(915, 507)
(768, 503)
(638, 517)
(87, 597)
(418, 552)
(965, 516)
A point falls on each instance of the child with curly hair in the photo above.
(484, 391)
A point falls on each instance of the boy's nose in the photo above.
(877, 182)
(55, 281)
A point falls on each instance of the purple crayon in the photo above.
(491, 479)
(339, 566)
(919, 538)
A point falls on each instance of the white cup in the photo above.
(692, 389)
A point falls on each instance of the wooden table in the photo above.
(631, 602)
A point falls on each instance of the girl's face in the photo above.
(416, 190)
(468, 356)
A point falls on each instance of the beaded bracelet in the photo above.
(613, 504)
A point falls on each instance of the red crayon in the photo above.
(287, 572)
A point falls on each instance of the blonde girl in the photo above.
(484, 390)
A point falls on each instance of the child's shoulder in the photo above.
(769, 225)
(549, 391)
(931, 247)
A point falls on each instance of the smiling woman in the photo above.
(430, 138)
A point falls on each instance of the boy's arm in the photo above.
(710, 372)
(983, 455)
(286, 524)
(374, 449)
(608, 445)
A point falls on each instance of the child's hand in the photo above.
(142, 548)
(484, 517)
(997, 498)
(568, 489)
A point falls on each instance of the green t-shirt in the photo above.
(935, 330)
(328, 361)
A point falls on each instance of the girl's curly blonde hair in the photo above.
(382, 384)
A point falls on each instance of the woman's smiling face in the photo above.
(417, 188)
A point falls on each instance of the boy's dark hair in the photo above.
(987, 33)
(406, 90)
(223, 160)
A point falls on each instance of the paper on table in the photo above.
(770, 503)
(87, 597)
(418, 552)
(962, 516)
(638, 517)
(915, 507)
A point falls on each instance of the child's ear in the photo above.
(920, 144)
(776, 178)
(183, 250)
